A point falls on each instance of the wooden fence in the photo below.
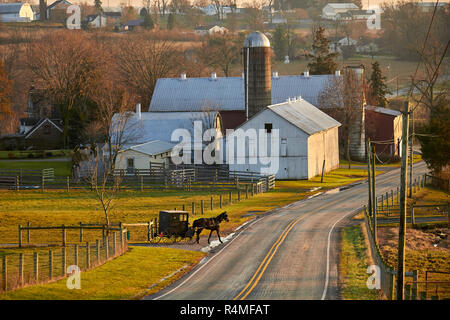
(189, 179)
(388, 204)
(44, 265)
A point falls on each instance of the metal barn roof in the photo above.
(304, 116)
(153, 126)
(390, 112)
(227, 93)
(10, 7)
(152, 147)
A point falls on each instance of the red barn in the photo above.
(385, 127)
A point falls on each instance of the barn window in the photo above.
(268, 127)
(283, 147)
(130, 163)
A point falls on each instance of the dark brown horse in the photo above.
(212, 224)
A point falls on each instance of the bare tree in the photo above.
(141, 62)
(342, 99)
(66, 67)
(220, 52)
(108, 136)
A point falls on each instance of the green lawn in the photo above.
(127, 277)
(353, 263)
(62, 168)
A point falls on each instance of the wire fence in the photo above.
(31, 266)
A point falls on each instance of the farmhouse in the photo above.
(307, 140)
(16, 12)
(142, 128)
(384, 126)
(203, 30)
(331, 10)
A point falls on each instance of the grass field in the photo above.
(137, 273)
(26, 154)
(353, 263)
(61, 207)
(62, 168)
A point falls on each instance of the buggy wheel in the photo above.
(156, 239)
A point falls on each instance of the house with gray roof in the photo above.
(16, 12)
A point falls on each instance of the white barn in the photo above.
(307, 137)
(16, 12)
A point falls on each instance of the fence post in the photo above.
(81, 232)
(121, 236)
(413, 218)
(414, 285)
(28, 232)
(114, 243)
(88, 260)
(211, 203)
(5, 273)
(21, 269)
(220, 201)
(42, 183)
(193, 208)
(20, 236)
(63, 228)
(407, 292)
(75, 254)
(201, 206)
(50, 264)
(68, 183)
(230, 201)
(142, 183)
(392, 197)
(36, 266)
(387, 200)
(148, 231)
(382, 201)
(246, 192)
(253, 189)
(106, 244)
(239, 195)
(63, 261)
(97, 251)
(17, 183)
(183, 207)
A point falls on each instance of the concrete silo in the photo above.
(257, 73)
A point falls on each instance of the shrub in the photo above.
(11, 155)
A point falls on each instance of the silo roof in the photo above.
(256, 39)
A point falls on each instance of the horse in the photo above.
(212, 224)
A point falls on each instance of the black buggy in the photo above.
(174, 226)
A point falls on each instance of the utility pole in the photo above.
(374, 198)
(411, 156)
(369, 175)
(403, 186)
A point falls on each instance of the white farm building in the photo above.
(306, 138)
(16, 12)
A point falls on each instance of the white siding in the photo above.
(323, 146)
(141, 161)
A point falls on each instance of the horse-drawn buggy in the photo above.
(174, 226)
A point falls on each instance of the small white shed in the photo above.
(306, 137)
(144, 156)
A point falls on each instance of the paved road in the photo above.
(288, 254)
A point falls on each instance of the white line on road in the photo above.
(327, 275)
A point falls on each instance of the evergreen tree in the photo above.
(377, 85)
(148, 22)
(171, 21)
(435, 137)
(323, 60)
(280, 42)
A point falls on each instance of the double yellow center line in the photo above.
(264, 264)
